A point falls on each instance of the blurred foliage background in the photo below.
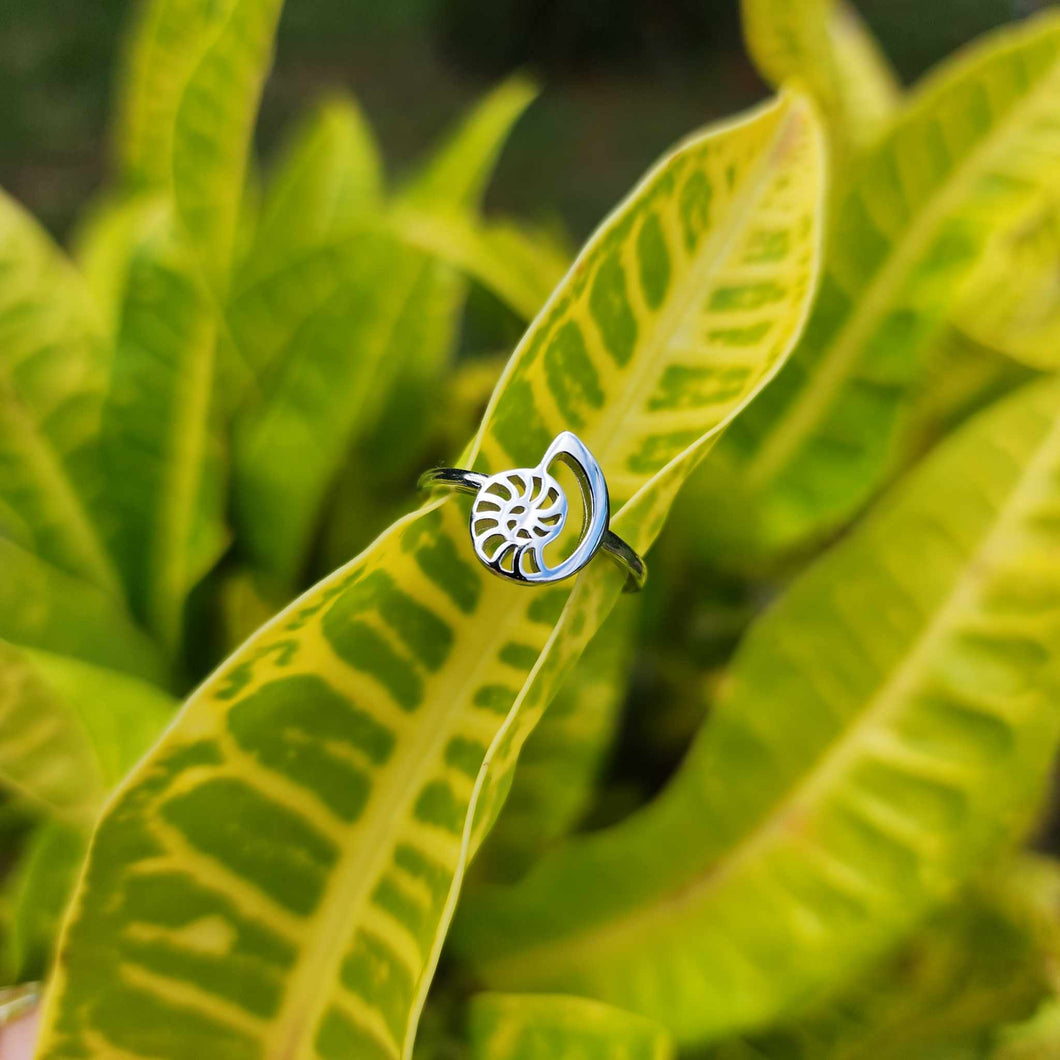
(622, 80)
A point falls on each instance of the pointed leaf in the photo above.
(161, 435)
(887, 727)
(825, 45)
(214, 127)
(327, 177)
(457, 173)
(276, 878)
(53, 372)
(972, 148)
(555, 1027)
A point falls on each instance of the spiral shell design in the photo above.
(515, 515)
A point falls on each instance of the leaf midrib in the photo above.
(50, 474)
(798, 421)
(625, 928)
(356, 875)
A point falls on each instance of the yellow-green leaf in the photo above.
(71, 730)
(561, 763)
(556, 1027)
(885, 730)
(983, 961)
(161, 432)
(338, 334)
(53, 373)
(39, 889)
(328, 176)
(825, 45)
(42, 606)
(1013, 304)
(214, 125)
(455, 176)
(1036, 1039)
(972, 148)
(276, 878)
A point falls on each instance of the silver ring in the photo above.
(518, 513)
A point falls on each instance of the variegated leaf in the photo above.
(556, 1027)
(886, 729)
(276, 878)
(825, 45)
(973, 147)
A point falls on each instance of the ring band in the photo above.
(517, 513)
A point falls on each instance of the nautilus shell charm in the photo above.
(517, 514)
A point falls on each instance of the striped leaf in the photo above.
(44, 607)
(71, 730)
(554, 1027)
(337, 333)
(980, 963)
(561, 763)
(214, 124)
(973, 147)
(161, 430)
(276, 878)
(1013, 304)
(53, 372)
(825, 45)
(885, 730)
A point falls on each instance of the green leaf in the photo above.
(278, 875)
(43, 607)
(886, 728)
(979, 963)
(1013, 304)
(161, 433)
(1036, 1039)
(214, 127)
(338, 334)
(825, 45)
(71, 730)
(39, 890)
(554, 1027)
(326, 179)
(53, 371)
(456, 175)
(972, 148)
(561, 763)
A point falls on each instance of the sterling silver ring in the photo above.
(518, 513)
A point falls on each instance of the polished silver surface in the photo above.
(518, 513)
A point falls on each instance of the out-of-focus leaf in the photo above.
(557, 1027)
(885, 730)
(970, 151)
(71, 730)
(520, 267)
(44, 607)
(1013, 304)
(53, 371)
(561, 762)
(161, 432)
(328, 176)
(1037, 1039)
(39, 891)
(311, 812)
(337, 336)
(456, 174)
(825, 45)
(214, 124)
(986, 960)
